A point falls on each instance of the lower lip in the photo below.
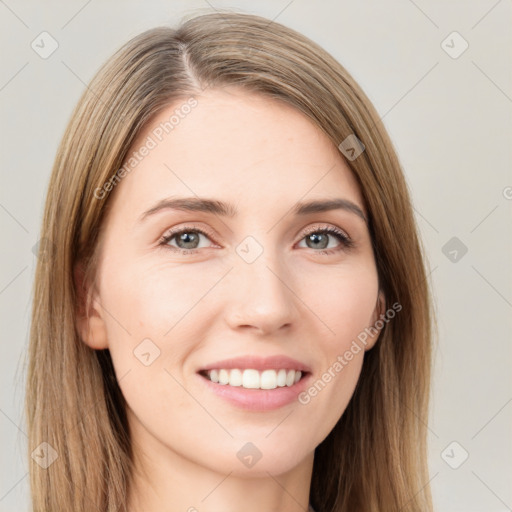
(258, 399)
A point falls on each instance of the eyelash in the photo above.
(346, 242)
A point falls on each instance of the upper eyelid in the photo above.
(176, 231)
(313, 229)
(171, 233)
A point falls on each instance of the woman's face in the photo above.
(243, 276)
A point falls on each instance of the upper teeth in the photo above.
(253, 379)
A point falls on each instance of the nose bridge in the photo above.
(260, 294)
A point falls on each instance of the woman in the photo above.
(236, 314)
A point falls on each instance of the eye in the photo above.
(187, 238)
(318, 238)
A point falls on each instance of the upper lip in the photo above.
(259, 363)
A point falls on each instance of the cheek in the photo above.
(156, 322)
(330, 392)
(345, 307)
(343, 300)
(151, 301)
(171, 307)
(149, 308)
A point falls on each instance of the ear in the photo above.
(374, 331)
(89, 313)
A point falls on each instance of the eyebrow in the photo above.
(197, 204)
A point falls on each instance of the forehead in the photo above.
(238, 145)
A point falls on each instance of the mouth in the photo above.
(255, 383)
(258, 391)
(250, 378)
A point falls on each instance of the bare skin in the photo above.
(200, 305)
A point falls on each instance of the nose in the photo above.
(260, 297)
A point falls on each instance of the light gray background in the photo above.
(451, 122)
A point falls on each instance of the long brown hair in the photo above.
(375, 458)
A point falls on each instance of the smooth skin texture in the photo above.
(200, 306)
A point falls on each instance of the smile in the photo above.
(253, 379)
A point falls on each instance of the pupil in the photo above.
(188, 238)
(185, 237)
(314, 238)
